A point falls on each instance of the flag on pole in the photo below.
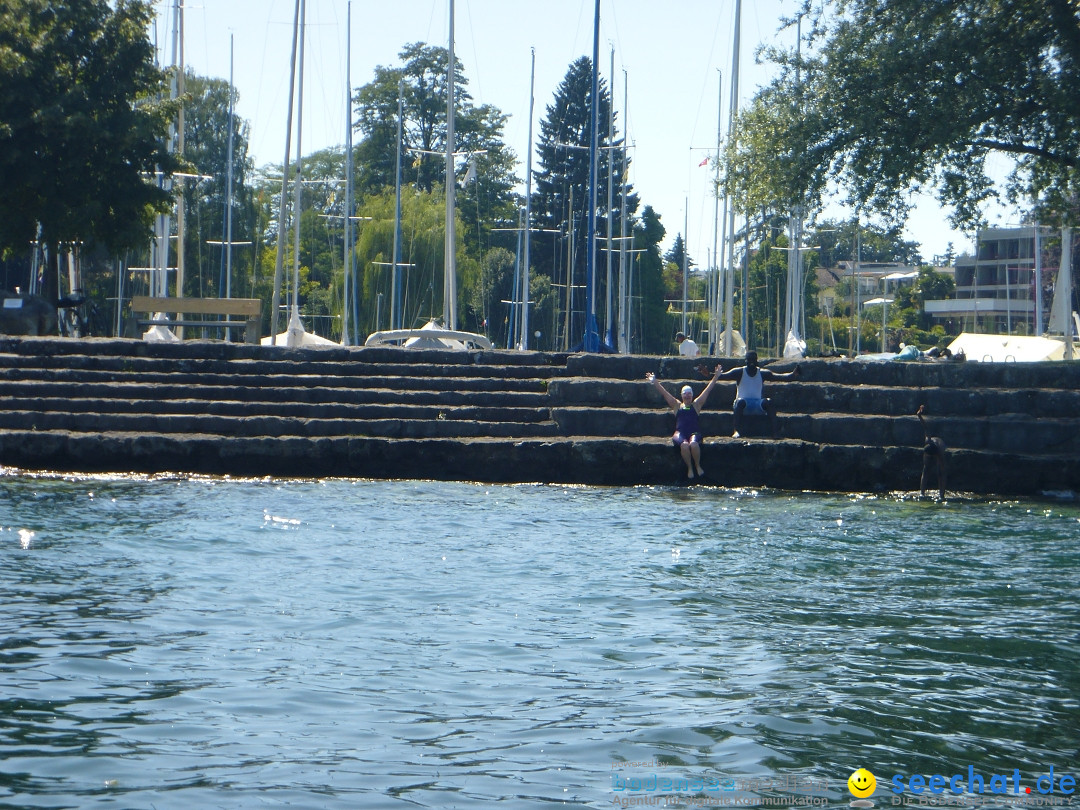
(705, 162)
(470, 175)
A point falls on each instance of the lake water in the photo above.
(178, 642)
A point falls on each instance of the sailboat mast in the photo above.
(609, 311)
(179, 33)
(449, 262)
(298, 184)
(528, 216)
(229, 183)
(1037, 280)
(729, 275)
(591, 342)
(794, 318)
(685, 260)
(570, 259)
(714, 282)
(395, 292)
(623, 308)
(347, 269)
(279, 261)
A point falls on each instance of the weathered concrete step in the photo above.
(253, 426)
(388, 409)
(785, 464)
(811, 398)
(840, 371)
(202, 349)
(1007, 432)
(394, 382)
(267, 368)
(282, 394)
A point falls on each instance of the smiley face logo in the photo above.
(862, 783)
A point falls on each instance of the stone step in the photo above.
(810, 398)
(220, 350)
(120, 391)
(1060, 374)
(271, 368)
(77, 406)
(1006, 432)
(206, 406)
(273, 426)
(392, 382)
(784, 464)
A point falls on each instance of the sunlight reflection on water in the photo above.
(180, 642)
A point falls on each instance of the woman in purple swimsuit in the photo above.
(687, 436)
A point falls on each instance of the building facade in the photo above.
(996, 289)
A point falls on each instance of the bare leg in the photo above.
(695, 454)
(941, 477)
(922, 479)
(740, 406)
(684, 448)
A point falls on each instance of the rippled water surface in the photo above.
(182, 643)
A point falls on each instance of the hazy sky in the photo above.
(672, 60)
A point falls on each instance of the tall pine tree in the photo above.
(563, 177)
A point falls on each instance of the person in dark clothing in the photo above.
(933, 451)
(687, 436)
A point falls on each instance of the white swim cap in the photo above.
(686, 389)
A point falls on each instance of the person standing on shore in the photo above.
(687, 436)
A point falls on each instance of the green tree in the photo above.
(485, 204)
(851, 240)
(768, 287)
(910, 299)
(206, 146)
(562, 179)
(80, 130)
(677, 253)
(908, 94)
(650, 326)
(423, 227)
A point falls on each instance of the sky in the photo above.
(674, 64)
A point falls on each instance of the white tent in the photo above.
(1008, 348)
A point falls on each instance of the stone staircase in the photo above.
(230, 408)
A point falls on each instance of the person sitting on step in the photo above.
(687, 347)
(748, 393)
(687, 436)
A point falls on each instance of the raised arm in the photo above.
(922, 420)
(671, 401)
(699, 403)
(777, 375)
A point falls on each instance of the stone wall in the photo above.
(230, 408)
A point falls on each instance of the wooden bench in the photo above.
(249, 308)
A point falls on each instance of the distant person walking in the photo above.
(687, 347)
(687, 436)
(749, 394)
(933, 450)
